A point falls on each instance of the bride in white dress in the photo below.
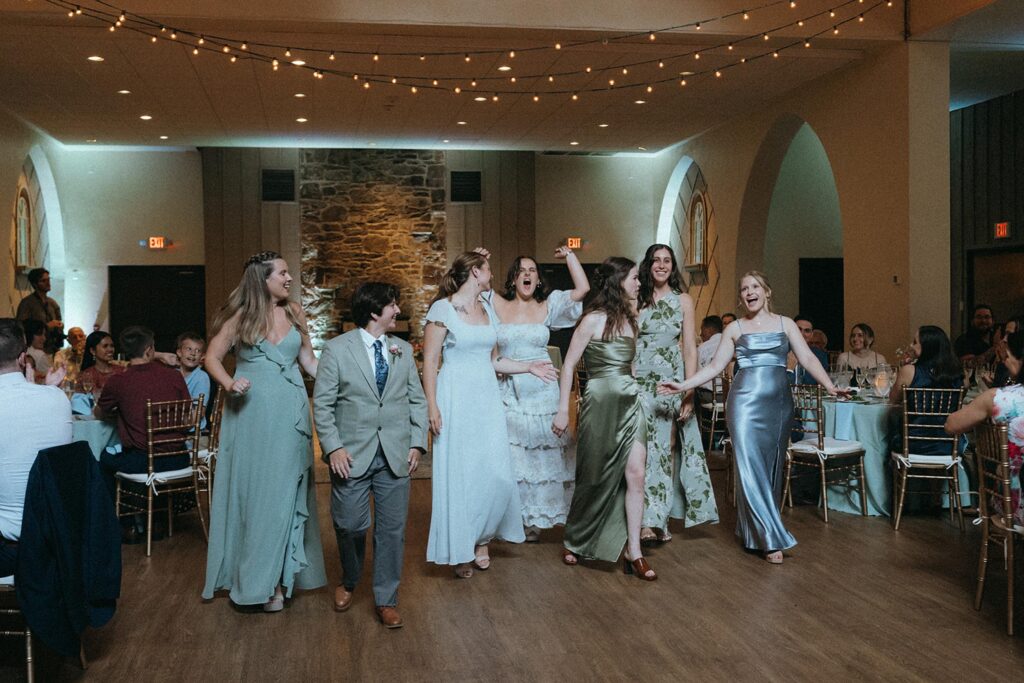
(544, 463)
(475, 499)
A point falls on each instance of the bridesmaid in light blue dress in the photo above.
(544, 464)
(759, 411)
(474, 495)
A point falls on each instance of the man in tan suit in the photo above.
(371, 418)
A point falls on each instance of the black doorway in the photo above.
(167, 299)
(556, 276)
(821, 297)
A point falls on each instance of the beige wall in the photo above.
(15, 141)
(885, 177)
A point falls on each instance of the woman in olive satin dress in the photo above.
(611, 454)
(760, 411)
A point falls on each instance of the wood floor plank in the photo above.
(853, 601)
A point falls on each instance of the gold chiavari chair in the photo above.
(208, 456)
(924, 413)
(995, 506)
(713, 426)
(826, 456)
(167, 425)
(579, 384)
(10, 608)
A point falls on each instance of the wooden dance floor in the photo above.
(853, 601)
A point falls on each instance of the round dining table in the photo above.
(98, 433)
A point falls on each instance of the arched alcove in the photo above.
(791, 211)
(686, 223)
(37, 189)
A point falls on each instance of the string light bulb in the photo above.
(78, 9)
(661, 65)
(649, 88)
(413, 90)
(174, 36)
(458, 90)
(376, 57)
(575, 97)
(201, 40)
(287, 52)
(697, 26)
(468, 58)
(745, 16)
(558, 46)
(625, 71)
(122, 18)
(331, 57)
(244, 46)
(153, 39)
(195, 50)
(366, 85)
(512, 54)
(860, 18)
(225, 49)
(718, 74)
(536, 98)
(234, 59)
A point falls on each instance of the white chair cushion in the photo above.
(915, 459)
(709, 406)
(205, 455)
(832, 446)
(158, 477)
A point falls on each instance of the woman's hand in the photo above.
(55, 375)
(240, 386)
(563, 252)
(560, 424)
(686, 409)
(544, 370)
(668, 387)
(434, 417)
(483, 252)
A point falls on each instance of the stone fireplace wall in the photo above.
(370, 215)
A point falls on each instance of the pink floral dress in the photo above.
(1008, 407)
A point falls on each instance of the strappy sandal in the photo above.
(570, 558)
(774, 557)
(463, 571)
(638, 568)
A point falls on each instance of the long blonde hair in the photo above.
(252, 299)
(457, 275)
(761, 280)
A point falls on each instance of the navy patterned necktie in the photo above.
(380, 368)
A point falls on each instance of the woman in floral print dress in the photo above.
(677, 483)
(1003, 405)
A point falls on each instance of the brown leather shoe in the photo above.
(390, 617)
(342, 599)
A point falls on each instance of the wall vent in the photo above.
(466, 187)
(278, 185)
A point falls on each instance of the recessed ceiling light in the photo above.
(124, 92)
(461, 123)
(301, 120)
(95, 58)
(504, 67)
(300, 94)
(446, 141)
(602, 125)
(373, 144)
(639, 101)
(163, 137)
(480, 99)
(298, 62)
(574, 143)
(91, 140)
(642, 149)
(146, 117)
(686, 73)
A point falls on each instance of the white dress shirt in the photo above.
(706, 351)
(368, 341)
(32, 417)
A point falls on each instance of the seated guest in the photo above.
(710, 337)
(800, 376)
(1002, 376)
(35, 335)
(98, 361)
(936, 368)
(727, 318)
(819, 340)
(976, 341)
(70, 357)
(1002, 405)
(31, 418)
(190, 347)
(125, 396)
(861, 356)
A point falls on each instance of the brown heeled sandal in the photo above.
(570, 558)
(638, 568)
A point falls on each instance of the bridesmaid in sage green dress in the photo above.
(264, 535)
(677, 483)
(607, 505)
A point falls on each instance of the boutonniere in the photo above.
(395, 351)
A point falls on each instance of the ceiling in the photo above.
(206, 100)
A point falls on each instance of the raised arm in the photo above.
(580, 284)
(806, 357)
(590, 325)
(433, 340)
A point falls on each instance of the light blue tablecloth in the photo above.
(871, 424)
(99, 433)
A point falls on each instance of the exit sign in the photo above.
(574, 242)
(1001, 230)
(157, 242)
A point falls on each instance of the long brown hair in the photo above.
(609, 297)
(252, 298)
(457, 275)
(646, 296)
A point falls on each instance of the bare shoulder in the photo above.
(296, 309)
(685, 300)
(593, 320)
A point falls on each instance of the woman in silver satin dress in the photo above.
(760, 411)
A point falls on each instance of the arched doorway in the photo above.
(791, 226)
